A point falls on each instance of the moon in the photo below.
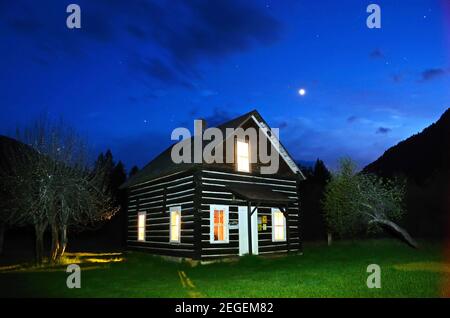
(302, 92)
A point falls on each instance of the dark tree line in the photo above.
(313, 223)
(114, 232)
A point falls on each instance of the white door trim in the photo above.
(255, 245)
(243, 230)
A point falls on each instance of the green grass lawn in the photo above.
(337, 271)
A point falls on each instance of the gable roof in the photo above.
(163, 163)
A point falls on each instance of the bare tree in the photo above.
(84, 201)
(56, 187)
(382, 204)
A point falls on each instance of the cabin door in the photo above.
(243, 231)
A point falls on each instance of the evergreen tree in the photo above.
(118, 176)
(312, 192)
(133, 171)
(321, 174)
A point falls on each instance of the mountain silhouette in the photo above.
(424, 160)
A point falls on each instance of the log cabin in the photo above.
(207, 211)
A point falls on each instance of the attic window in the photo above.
(243, 156)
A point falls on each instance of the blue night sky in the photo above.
(138, 69)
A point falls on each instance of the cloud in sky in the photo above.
(397, 78)
(383, 130)
(207, 92)
(352, 119)
(377, 54)
(217, 117)
(206, 32)
(220, 28)
(432, 73)
(158, 69)
(168, 41)
(155, 60)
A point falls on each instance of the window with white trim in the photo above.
(278, 226)
(219, 224)
(141, 225)
(175, 224)
(242, 156)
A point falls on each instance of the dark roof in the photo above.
(258, 193)
(163, 163)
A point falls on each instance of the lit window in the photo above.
(141, 226)
(175, 224)
(278, 226)
(219, 224)
(243, 161)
